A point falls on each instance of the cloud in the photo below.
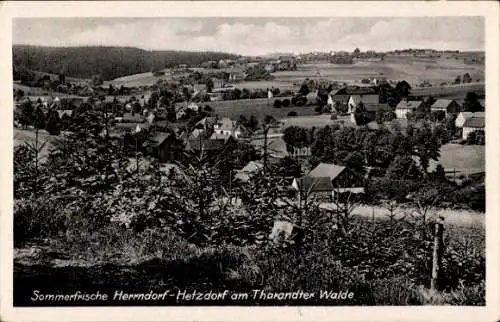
(255, 36)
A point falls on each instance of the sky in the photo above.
(256, 36)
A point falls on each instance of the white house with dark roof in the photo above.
(463, 116)
(246, 172)
(472, 124)
(355, 100)
(404, 107)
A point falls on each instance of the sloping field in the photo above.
(458, 90)
(136, 80)
(258, 107)
(412, 69)
(28, 136)
(35, 92)
(308, 121)
(461, 158)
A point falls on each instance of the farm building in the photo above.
(472, 124)
(445, 105)
(166, 147)
(226, 126)
(355, 100)
(251, 168)
(340, 98)
(463, 116)
(371, 109)
(210, 147)
(404, 107)
(327, 179)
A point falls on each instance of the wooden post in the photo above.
(437, 253)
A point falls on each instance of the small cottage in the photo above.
(445, 105)
(472, 124)
(404, 107)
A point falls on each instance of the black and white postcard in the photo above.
(250, 161)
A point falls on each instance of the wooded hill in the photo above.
(108, 62)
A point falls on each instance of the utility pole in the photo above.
(266, 130)
(437, 253)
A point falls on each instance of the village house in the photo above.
(371, 109)
(340, 97)
(166, 147)
(404, 107)
(248, 170)
(472, 124)
(227, 127)
(357, 99)
(463, 116)
(327, 179)
(445, 105)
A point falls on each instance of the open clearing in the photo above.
(258, 107)
(413, 70)
(28, 136)
(461, 158)
(36, 92)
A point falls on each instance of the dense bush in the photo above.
(278, 103)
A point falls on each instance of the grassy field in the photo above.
(136, 80)
(28, 136)
(455, 91)
(412, 69)
(35, 92)
(258, 107)
(308, 121)
(462, 158)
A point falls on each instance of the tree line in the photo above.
(108, 62)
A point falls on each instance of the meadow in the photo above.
(412, 69)
(461, 158)
(259, 107)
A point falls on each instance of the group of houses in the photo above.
(349, 99)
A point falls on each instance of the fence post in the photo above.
(437, 253)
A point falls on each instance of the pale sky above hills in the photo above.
(255, 36)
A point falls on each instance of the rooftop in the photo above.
(409, 104)
(474, 122)
(442, 103)
(326, 170)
